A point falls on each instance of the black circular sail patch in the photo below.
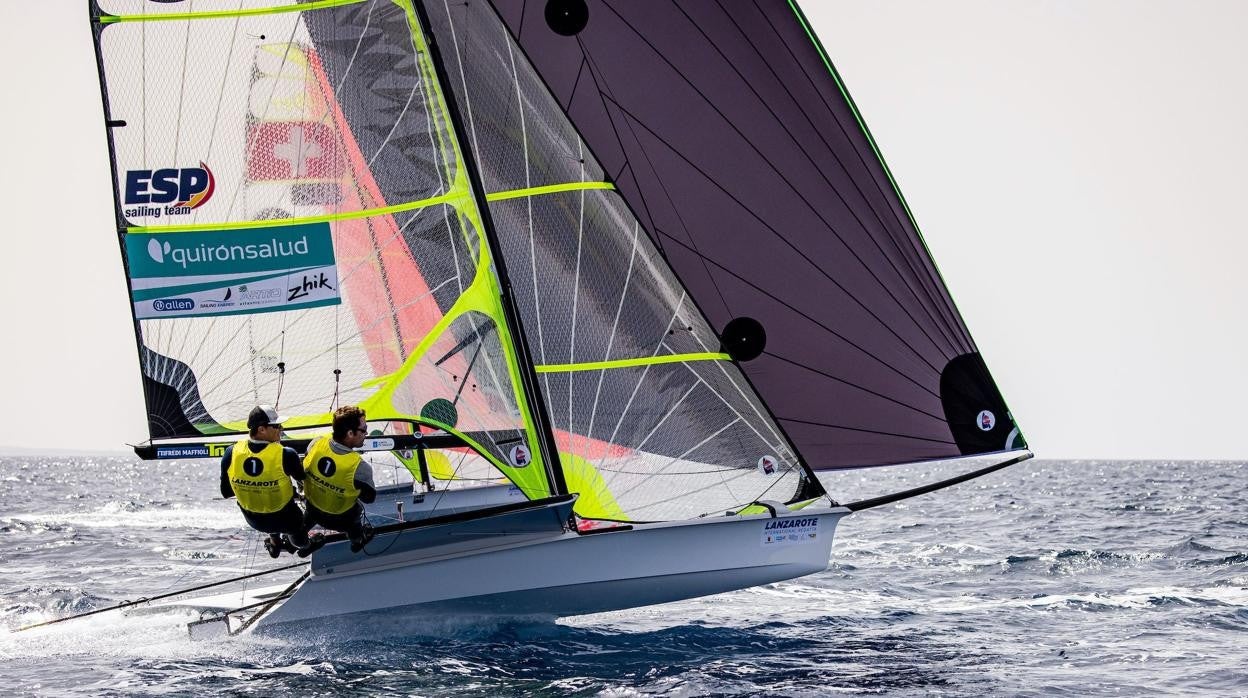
(326, 467)
(567, 17)
(253, 467)
(440, 410)
(743, 338)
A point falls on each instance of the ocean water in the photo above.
(1047, 578)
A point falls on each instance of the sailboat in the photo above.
(613, 281)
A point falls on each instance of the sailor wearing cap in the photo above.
(337, 479)
(258, 471)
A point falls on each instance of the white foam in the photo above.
(107, 634)
(118, 515)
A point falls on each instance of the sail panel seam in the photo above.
(655, 174)
(814, 40)
(747, 210)
(886, 228)
(816, 211)
(864, 430)
(828, 329)
(645, 371)
(948, 319)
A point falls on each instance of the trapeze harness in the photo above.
(330, 482)
(258, 479)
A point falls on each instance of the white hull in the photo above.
(419, 505)
(522, 570)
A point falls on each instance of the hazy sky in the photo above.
(1077, 169)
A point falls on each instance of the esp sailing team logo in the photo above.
(168, 191)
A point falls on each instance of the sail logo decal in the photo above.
(790, 531)
(184, 256)
(519, 455)
(178, 190)
(169, 305)
(308, 284)
(767, 465)
(223, 272)
(986, 420)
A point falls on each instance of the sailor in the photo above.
(337, 479)
(258, 471)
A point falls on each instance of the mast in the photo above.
(529, 384)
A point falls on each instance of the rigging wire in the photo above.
(281, 376)
(149, 599)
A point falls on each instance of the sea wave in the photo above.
(1047, 578)
(129, 514)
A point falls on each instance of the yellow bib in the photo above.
(330, 482)
(259, 482)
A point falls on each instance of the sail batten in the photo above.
(918, 259)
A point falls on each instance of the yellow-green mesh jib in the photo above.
(595, 500)
(484, 295)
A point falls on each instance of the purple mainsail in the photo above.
(732, 140)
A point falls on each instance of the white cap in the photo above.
(263, 415)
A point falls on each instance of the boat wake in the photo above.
(131, 515)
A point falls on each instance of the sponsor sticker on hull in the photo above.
(790, 531)
(226, 272)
